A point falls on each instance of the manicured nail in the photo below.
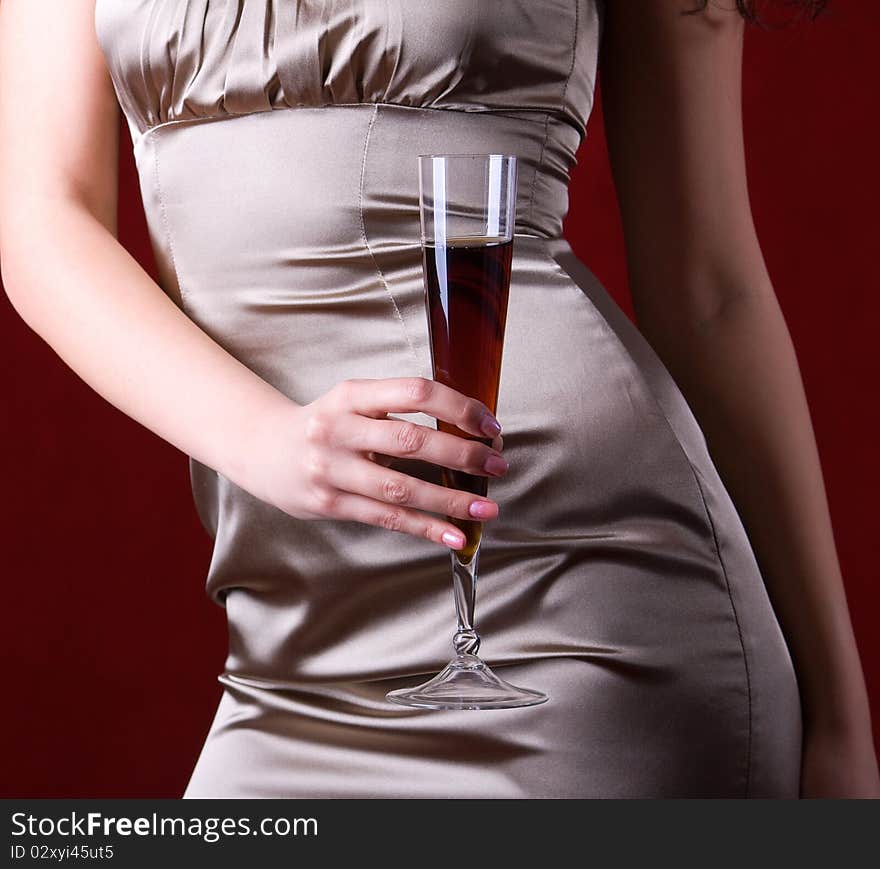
(496, 465)
(481, 509)
(490, 425)
(452, 539)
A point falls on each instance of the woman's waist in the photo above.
(329, 183)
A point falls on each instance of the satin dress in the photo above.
(276, 146)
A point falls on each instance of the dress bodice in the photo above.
(186, 59)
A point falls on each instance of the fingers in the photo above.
(406, 439)
(354, 474)
(385, 460)
(339, 504)
(351, 443)
(376, 397)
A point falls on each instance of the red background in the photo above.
(110, 646)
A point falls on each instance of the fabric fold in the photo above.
(173, 61)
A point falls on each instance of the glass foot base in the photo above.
(466, 682)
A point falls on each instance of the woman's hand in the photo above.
(329, 459)
(838, 765)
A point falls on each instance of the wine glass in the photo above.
(467, 205)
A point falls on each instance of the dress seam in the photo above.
(733, 609)
(366, 240)
(561, 109)
(226, 116)
(722, 565)
(166, 226)
(650, 391)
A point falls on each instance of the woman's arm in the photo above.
(79, 289)
(63, 268)
(671, 90)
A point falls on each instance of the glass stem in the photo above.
(464, 584)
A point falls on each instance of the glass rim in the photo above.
(445, 156)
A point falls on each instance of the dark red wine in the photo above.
(466, 284)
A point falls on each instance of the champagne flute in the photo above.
(467, 205)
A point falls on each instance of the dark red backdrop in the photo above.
(111, 648)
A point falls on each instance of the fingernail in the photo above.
(490, 425)
(496, 465)
(481, 509)
(452, 539)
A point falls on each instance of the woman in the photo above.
(287, 345)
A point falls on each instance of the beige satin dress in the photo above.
(276, 146)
